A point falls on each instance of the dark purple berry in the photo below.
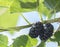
(49, 27)
(44, 32)
(36, 29)
(33, 33)
(48, 32)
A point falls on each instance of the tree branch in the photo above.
(52, 20)
(26, 26)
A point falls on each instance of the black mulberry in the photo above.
(36, 29)
(44, 32)
(48, 31)
(49, 27)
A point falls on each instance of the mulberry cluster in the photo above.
(44, 32)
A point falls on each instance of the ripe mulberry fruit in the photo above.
(49, 27)
(44, 32)
(36, 29)
(48, 31)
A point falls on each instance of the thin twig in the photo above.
(52, 20)
(26, 26)
(25, 18)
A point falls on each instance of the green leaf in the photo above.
(8, 20)
(52, 4)
(11, 46)
(3, 40)
(23, 5)
(28, 44)
(43, 10)
(33, 41)
(24, 41)
(42, 44)
(20, 41)
(56, 37)
(5, 3)
(59, 43)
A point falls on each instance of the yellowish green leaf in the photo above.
(5, 3)
(8, 19)
(3, 40)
